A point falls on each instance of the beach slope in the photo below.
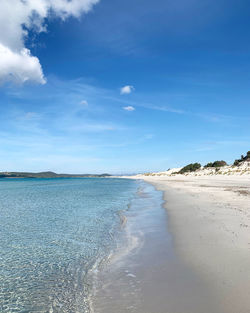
(209, 219)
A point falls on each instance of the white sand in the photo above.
(209, 218)
(151, 278)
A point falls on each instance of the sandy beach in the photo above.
(209, 219)
(195, 255)
(151, 277)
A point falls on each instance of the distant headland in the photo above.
(47, 175)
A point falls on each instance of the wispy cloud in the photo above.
(93, 127)
(207, 116)
(149, 136)
(129, 108)
(147, 105)
(165, 109)
(50, 121)
(218, 144)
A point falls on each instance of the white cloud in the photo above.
(19, 66)
(129, 108)
(17, 18)
(126, 89)
(84, 103)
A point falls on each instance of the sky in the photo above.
(119, 87)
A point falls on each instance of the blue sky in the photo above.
(187, 71)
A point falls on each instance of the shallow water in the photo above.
(120, 283)
(52, 233)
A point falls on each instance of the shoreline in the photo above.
(152, 278)
(209, 219)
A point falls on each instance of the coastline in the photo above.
(209, 219)
(152, 277)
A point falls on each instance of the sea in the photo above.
(55, 234)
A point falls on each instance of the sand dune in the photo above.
(242, 169)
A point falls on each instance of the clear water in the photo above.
(52, 233)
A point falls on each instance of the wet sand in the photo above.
(154, 277)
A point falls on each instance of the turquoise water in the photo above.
(52, 233)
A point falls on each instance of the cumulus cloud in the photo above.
(17, 18)
(129, 108)
(19, 66)
(126, 89)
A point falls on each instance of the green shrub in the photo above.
(190, 168)
(242, 159)
(210, 164)
(216, 164)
